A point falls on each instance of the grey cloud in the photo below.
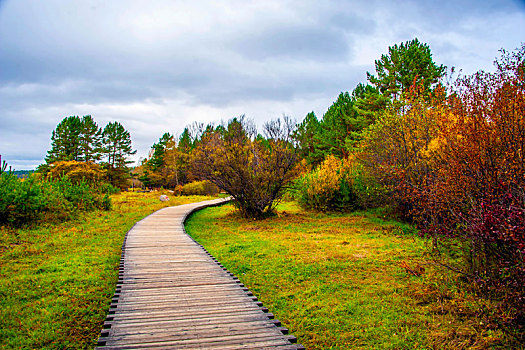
(309, 43)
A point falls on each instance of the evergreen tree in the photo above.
(336, 128)
(369, 102)
(305, 135)
(75, 139)
(65, 141)
(404, 65)
(159, 149)
(90, 139)
(116, 148)
(185, 141)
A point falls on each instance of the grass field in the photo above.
(347, 281)
(56, 281)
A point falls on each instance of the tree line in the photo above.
(84, 165)
(82, 143)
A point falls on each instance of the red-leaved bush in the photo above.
(456, 165)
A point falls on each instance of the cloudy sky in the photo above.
(156, 66)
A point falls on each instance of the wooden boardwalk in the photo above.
(172, 294)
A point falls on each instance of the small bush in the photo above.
(108, 188)
(330, 187)
(200, 188)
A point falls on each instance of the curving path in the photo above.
(172, 294)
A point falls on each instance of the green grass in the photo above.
(56, 281)
(342, 281)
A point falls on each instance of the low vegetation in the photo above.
(56, 280)
(35, 199)
(349, 281)
(202, 188)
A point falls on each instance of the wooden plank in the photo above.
(245, 330)
(187, 322)
(254, 314)
(265, 340)
(184, 311)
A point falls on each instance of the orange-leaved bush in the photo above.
(330, 186)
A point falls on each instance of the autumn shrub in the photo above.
(455, 164)
(177, 190)
(253, 170)
(397, 149)
(200, 188)
(77, 172)
(480, 175)
(329, 187)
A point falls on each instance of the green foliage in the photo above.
(336, 128)
(340, 131)
(78, 139)
(200, 188)
(116, 143)
(20, 201)
(185, 142)
(305, 136)
(330, 187)
(168, 164)
(65, 141)
(90, 139)
(159, 150)
(108, 188)
(405, 65)
(25, 201)
(75, 139)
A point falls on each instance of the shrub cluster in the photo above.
(24, 201)
(252, 169)
(337, 185)
(199, 188)
(329, 187)
(455, 164)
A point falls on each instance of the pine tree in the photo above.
(185, 142)
(116, 148)
(65, 141)
(305, 134)
(404, 65)
(159, 149)
(90, 139)
(117, 145)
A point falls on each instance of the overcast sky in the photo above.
(156, 66)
